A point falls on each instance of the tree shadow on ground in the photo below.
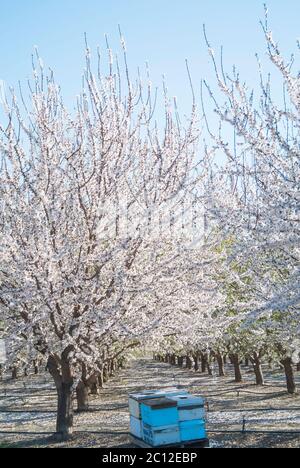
(43, 441)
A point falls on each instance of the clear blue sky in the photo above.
(163, 32)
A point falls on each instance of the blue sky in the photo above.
(162, 32)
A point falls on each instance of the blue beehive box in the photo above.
(167, 417)
(160, 436)
(192, 430)
(159, 412)
(189, 407)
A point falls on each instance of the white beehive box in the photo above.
(136, 427)
(135, 399)
(190, 407)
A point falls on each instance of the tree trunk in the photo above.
(94, 389)
(289, 374)
(61, 372)
(105, 374)
(257, 369)
(196, 362)
(64, 422)
(100, 379)
(82, 394)
(209, 368)
(203, 363)
(36, 367)
(14, 373)
(298, 367)
(220, 361)
(189, 363)
(237, 368)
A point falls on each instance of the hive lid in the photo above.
(190, 401)
(160, 403)
(156, 393)
(143, 396)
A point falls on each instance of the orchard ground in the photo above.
(28, 405)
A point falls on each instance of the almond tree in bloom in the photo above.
(260, 215)
(88, 204)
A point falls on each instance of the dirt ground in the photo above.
(28, 405)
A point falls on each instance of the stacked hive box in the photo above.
(167, 417)
(191, 415)
(160, 422)
(135, 402)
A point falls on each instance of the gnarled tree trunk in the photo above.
(64, 422)
(237, 367)
(209, 368)
(189, 363)
(180, 361)
(94, 387)
(220, 361)
(203, 362)
(100, 379)
(196, 362)
(82, 395)
(105, 373)
(256, 362)
(61, 372)
(289, 374)
(36, 367)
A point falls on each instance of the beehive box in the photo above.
(159, 412)
(190, 407)
(160, 436)
(135, 399)
(136, 427)
(192, 430)
(167, 417)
